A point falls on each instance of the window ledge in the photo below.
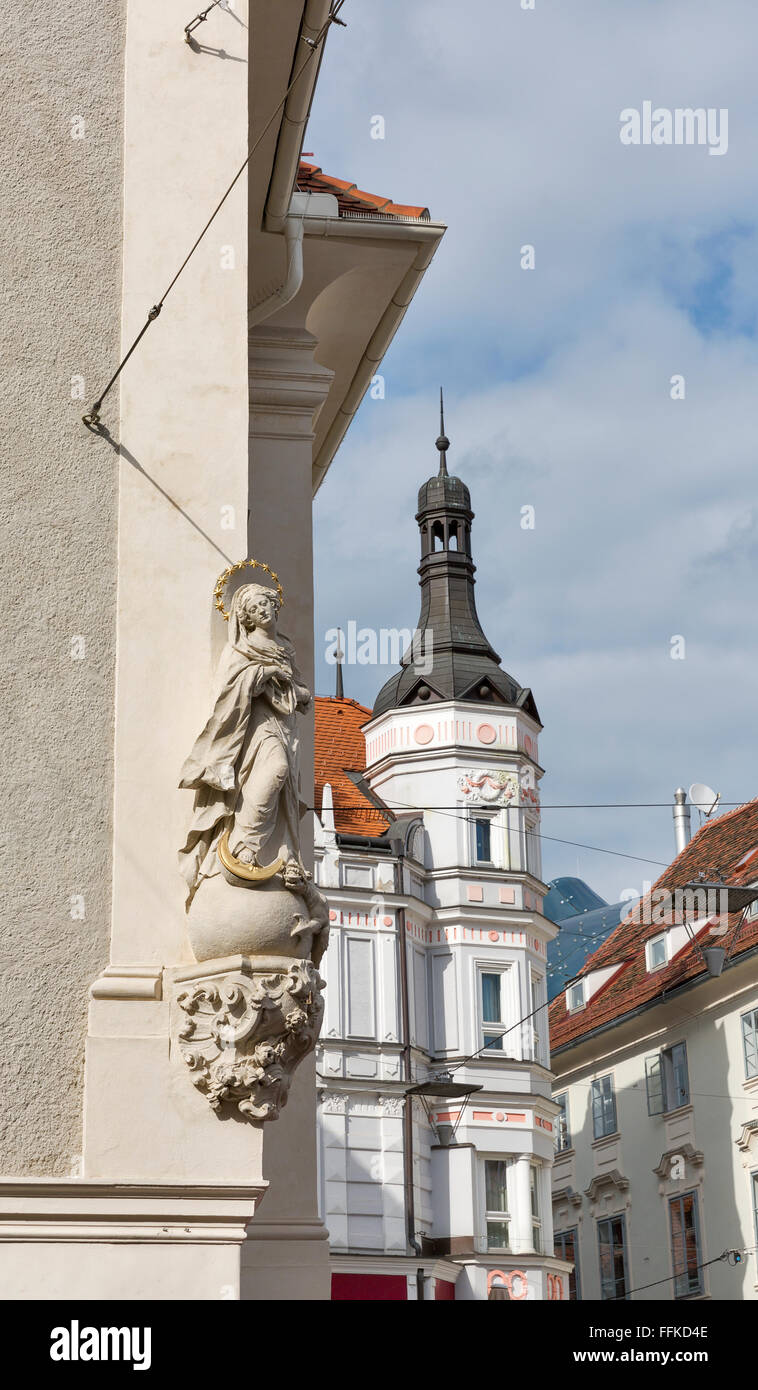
(678, 1112)
(750, 1085)
(606, 1139)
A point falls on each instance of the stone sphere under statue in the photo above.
(263, 919)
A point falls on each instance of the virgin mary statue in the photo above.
(244, 766)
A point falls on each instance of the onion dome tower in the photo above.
(450, 658)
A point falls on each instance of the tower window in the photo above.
(497, 1219)
(483, 841)
(452, 543)
(493, 1001)
(438, 536)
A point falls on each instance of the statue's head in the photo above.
(256, 607)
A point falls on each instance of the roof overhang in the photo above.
(361, 275)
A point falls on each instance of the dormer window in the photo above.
(657, 951)
(575, 996)
(583, 991)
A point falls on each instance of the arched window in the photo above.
(438, 536)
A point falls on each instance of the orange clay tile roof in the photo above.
(351, 200)
(341, 748)
(727, 845)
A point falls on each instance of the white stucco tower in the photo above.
(455, 734)
(454, 739)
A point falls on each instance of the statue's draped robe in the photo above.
(252, 730)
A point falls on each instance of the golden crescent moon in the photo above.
(251, 873)
(218, 592)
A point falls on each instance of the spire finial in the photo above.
(443, 443)
(339, 656)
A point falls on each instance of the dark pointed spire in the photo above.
(451, 658)
(339, 658)
(443, 443)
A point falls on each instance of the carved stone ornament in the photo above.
(248, 890)
(251, 1007)
(497, 787)
(244, 1033)
(392, 1106)
(334, 1103)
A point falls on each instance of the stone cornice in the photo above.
(748, 1135)
(613, 1178)
(567, 1194)
(686, 1151)
(81, 1209)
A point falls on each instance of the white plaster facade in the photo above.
(707, 1147)
(230, 412)
(656, 1073)
(422, 895)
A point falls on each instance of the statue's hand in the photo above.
(221, 777)
(303, 696)
(272, 672)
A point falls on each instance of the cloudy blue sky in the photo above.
(505, 123)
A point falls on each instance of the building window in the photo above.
(685, 1245)
(657, 950)
(491, 995)
(575, 996)
(496, 1202)
(611, 1235)
(534, 1196)
(667, 1080)
(603, 1107)
(750, 1042)
(567, 1248)
(532, 843)
(483, 839)
(358, 876)
(539, 1020)
(562, 1128)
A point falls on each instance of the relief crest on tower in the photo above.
(498, 787)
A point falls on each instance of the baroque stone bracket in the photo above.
(611, 1187)
(748, 1136)
(242, 1025)
(686, 1151)
(567, 1195)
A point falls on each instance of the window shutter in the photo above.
(750, 1042)
(681, 1075)
(597, 1110)
(654, 1081)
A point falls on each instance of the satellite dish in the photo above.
(704, 797)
